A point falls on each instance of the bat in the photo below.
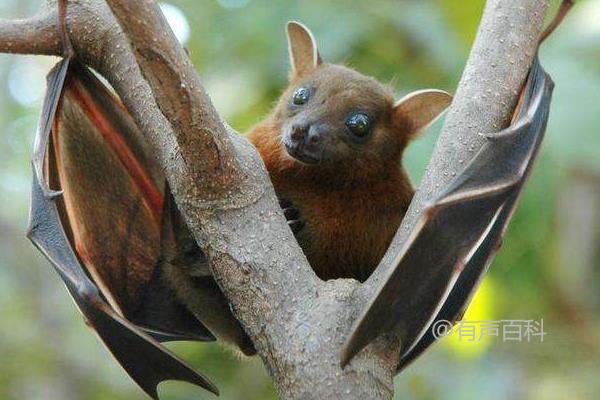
(439, 267)
(98, 213)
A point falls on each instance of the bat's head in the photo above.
(331, 113)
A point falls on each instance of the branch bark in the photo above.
(297, 322)
(36, 35)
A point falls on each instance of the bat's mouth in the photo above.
(301, 154)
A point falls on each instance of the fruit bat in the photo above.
(437, 270)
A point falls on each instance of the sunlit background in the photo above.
(547, 268)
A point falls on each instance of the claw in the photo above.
(292, 215)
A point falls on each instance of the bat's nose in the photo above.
(299, 132)
(305, 134)
(303, 142)
(313, 137)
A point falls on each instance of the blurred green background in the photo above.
(547, 268)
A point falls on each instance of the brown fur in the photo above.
(352, 207)
(354, 196)
(204, 299)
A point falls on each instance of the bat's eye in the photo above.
(301, 96)
(359, 125)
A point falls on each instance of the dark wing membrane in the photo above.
(442, 262)
(111, 202)
(112, 206)
(145, 360)
(538, 88)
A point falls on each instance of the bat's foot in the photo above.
(292, 215)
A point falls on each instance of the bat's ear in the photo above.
(417, 110)
(302, 46)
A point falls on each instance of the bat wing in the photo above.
(441, 264)
(109, 291)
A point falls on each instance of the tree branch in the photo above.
(205, 144)
(35, 35)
